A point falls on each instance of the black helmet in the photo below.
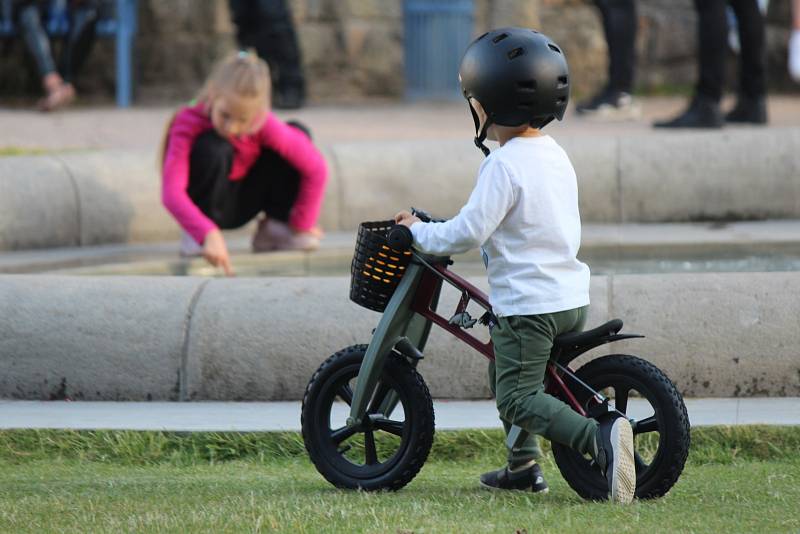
(518, 75)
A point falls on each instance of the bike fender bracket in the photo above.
(407, 349)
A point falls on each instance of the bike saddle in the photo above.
(576, 339)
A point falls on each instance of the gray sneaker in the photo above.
(274, 235)
(614, 455)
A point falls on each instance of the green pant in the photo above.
(522, 347)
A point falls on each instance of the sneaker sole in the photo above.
(623, 477)
(492, 488)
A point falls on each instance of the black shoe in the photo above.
(528, 478)
(614, 455)
(749, 110)
(703, 112)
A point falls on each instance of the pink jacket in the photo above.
(288, 142)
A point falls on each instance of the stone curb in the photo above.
(84, 198)
(177, 338)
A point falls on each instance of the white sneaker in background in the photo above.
(611, 105)
(794, 55)
(189, 247)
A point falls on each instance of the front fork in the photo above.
(400, 329)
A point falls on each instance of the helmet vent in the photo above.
(516, 53)
(481, 37)
(562, 82)
(561, 100)
(528, 86)
(499, 38)
(528, 104)
(554, 48)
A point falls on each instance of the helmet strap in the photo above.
(480, 133)
(481, 137)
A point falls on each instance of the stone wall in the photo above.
(353, 49)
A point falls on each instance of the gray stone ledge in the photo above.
(84, 198)
(177, 338)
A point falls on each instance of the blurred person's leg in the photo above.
(267, 26)
(619, 25)
(78, 44)
(277, 43)
(272, 187)
(30, 26)
(712, 30)
(751, 104)
(794, 42)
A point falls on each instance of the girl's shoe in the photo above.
(276, 235)
(525, 478)
(189, 247)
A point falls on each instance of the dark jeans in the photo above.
(267, 26)
(713, 38)
(619, 25)
(77, 44)
(270, 186)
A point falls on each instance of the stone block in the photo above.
(119, 193)
(263, 338)
(710, 176)
(378, 179)
(715, 334)
(103, 338)
(330, 217)
(596, 166)
(38, 204)
(524, 13)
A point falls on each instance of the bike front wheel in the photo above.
(388, 449)
(658, 416)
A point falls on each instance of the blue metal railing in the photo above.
(436, 34)
(122, 27)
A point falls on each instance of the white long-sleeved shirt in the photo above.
(523, 213)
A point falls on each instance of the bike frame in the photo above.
(405, 326)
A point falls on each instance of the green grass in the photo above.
(742, 479)
(19, 151)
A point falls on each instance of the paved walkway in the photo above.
(143, 127)
(271, 416)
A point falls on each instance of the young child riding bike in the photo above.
(523, 213)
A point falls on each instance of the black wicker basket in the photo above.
(376, 268)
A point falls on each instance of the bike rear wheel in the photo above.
(388, 449)
(660, 426)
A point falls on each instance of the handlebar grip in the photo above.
(400, 237)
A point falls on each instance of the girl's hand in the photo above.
(406, 218)
(215, 251)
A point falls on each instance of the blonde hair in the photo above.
(241, 73)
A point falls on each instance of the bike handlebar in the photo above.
(400, 237)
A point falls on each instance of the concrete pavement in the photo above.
(273, 416)
(142, 127)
